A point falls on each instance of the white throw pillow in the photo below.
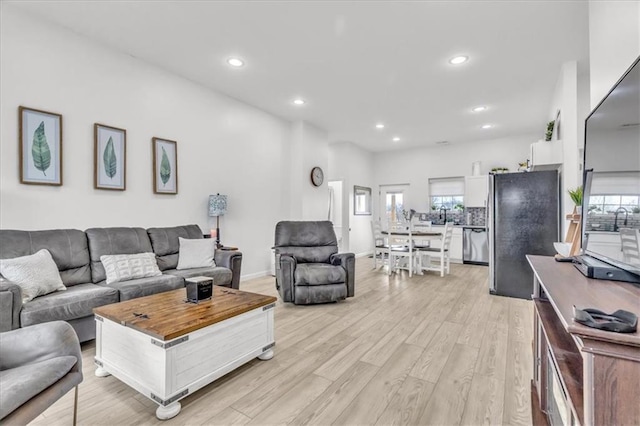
(36, 274)
(125, 267)
(197, 253)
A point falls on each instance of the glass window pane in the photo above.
(612, 199)
(629, 200)
(597, 199)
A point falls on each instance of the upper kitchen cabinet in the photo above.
(546, 155)
(476, 191)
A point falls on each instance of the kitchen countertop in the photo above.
(595, 231)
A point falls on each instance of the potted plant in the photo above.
(576, 197)
(549, 133)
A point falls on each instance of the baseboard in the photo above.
(255, 275)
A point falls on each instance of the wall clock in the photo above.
(317, 176)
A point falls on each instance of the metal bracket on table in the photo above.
(271, 306)
(98, 363)
(269, 346)
(171, 343)
(99, 318)
(165, 402)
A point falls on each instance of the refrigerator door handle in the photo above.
(489, 223)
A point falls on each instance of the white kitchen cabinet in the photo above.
(546, 155)
(455, 248)
(476, 191)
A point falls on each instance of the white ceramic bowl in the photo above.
(563, 249)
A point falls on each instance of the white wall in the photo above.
(614, 43)
(223, 145)
(416, 166)
(354, 166)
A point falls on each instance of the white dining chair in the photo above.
(630, 242)
(380, 245)
(421, 226)
(427, 256)
(401, 251)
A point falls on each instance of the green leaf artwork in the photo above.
(109, 158)
(165, 168)
(40, 150)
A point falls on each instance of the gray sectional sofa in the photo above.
(77, 255)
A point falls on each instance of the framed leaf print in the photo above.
(40, 150)
(110, 157)
(165, 166)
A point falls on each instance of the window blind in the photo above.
(615, 183)
(446, 186)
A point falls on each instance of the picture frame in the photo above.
(109, 158)
(165, 166)
(39, 147)
(361, 200)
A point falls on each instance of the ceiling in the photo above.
(356, 63)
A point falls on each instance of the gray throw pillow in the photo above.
(196, 253)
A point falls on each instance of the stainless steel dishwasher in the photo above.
(475, 245)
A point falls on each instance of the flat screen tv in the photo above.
(611, 200)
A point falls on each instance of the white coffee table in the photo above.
(167, 349)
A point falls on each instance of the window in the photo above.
(603, 204)
(447, 193)
(395, 204)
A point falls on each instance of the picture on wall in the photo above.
(40, 150)
(110, 157)
(165, 166)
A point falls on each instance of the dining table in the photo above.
(414, 235)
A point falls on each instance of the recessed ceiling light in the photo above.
(479, 108)
(457, 60)
(235, 62)
(396, 139)
(379, 126)
(298, 101)
(487, 126)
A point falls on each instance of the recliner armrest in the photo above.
(285, 275)
(231, 260)
(38, 343)
(10, 305)
(348, 262)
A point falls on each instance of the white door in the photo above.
(393, 199)
(338, 214)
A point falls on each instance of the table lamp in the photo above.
(217, 208)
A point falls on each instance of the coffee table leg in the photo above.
(266, 355)
(168, 412)
(101, 372)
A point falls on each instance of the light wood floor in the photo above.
(420, 350)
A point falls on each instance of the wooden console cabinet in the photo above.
(582, 375)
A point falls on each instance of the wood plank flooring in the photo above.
(421, 350)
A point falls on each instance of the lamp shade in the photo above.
(217, 205)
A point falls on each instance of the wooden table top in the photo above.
(168, 315)
(566, 286)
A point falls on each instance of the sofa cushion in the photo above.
(166, 245)
(308, 295)
(319, 274)
(221, 276)
(36, 274)
(146, 286)
(126, 267)
(22, 383)
(68, 247)
(76, 302)
(106, 241)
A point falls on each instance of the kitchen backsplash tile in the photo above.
(478, 216)
(605, 222)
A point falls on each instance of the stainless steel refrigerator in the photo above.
(523, 218)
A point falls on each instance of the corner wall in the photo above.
(223, 145)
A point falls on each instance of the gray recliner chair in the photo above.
(38, 365)
(309, 268)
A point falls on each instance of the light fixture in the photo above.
(235, 62)
(298, 101)
(217, 208)
(479, 108)
(457, 60)
(379, 126)
(487, 126)
(396, 139)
